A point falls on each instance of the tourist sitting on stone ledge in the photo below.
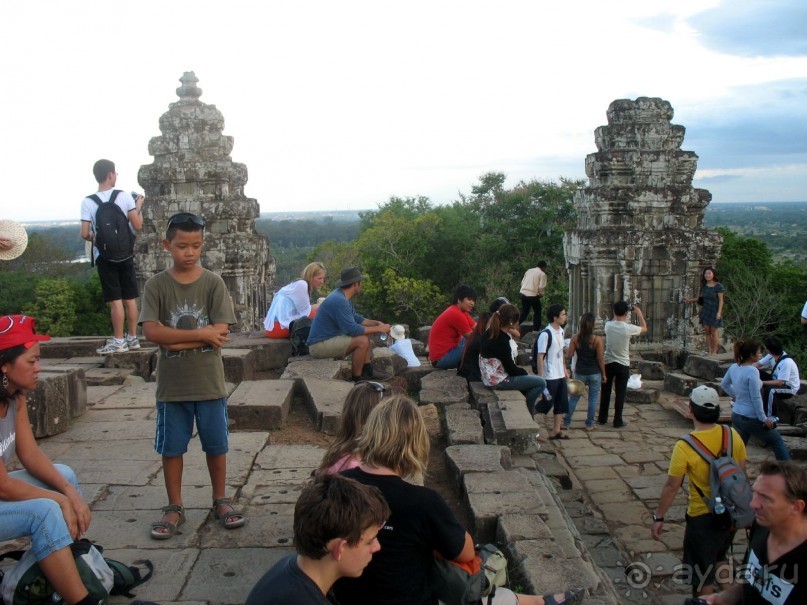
(336, 525)
(338, 329)
(341, 455)
(293, 301)
(451, 329)
(394, 449)
(779, 374)
(497, 360)
(42, 501)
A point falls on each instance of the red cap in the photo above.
(16, 330)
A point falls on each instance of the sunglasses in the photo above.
(183, 218)
(376, 386)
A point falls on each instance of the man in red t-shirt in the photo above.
(451, 328)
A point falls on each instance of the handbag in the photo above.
(470, 583)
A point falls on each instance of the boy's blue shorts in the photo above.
(175, 426)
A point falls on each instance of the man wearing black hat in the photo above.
(705, 546)
(338, 329)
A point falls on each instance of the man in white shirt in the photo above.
(550, 363)
(533, 285)
(618, 332)
(779, 374)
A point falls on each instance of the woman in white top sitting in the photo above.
(293, 301)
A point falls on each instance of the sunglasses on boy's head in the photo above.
(182, 218)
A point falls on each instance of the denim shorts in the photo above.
(41, 519)
(175, 421)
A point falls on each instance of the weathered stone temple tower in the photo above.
(640, 234)
(193, 172)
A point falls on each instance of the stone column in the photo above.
(640, 234)
(193, 172)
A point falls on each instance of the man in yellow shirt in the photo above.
(705, 546)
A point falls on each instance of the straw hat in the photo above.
(575, 387)
(397, 332)
(16, 236)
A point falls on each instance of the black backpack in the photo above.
(534, 360)
(298, 333)
(113, 237)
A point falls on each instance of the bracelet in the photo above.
(657, 519)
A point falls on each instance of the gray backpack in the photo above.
(729, 485)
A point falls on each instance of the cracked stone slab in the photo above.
(477, 459)
(546, 569)
(324, 400)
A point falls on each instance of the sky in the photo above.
(340, 105)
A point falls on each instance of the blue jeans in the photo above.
(39, 518)
(748, 427)
(452, 359)
(531, 385)
(594, 383)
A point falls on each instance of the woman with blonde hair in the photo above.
(293, 301)
(394, 449)
(341, 455)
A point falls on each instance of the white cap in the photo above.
(705, 397)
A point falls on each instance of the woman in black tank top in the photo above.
(589, 369)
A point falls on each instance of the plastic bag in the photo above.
(635, 381)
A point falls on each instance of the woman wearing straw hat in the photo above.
(42, 501)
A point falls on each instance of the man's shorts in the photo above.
(560, 397)
(118, 280)
(333, 348)
(175, 426)
(704, 546)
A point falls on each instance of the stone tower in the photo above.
(640, 234)
(193, 172)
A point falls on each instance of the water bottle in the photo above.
(382, 337)
(775, 420)
(720, 508)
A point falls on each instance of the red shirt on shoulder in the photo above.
(447, 331)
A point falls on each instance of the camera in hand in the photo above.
(136, 195)
(775, 420)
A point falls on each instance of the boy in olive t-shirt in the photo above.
(187, 311)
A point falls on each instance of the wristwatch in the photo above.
(657, 519)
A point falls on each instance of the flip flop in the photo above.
(171, 528)
(229, 520)
(570, 597)
(561, 436)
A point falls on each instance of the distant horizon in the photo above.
(76, 221)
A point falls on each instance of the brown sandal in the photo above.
(171, 528)
(229, 520)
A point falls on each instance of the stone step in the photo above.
(324, 400)
(477, 459)
(260, 404)
(142, 362)
(76, 387)
(107, 376)
(322, 369)
(50, 404)
(489, 496)
(463, 425)
(680, 384)
(708, 367)
(239, 364)
(681, 405)
(270, 353)
(511, 422)
(443, 387)
(643, 395)
(651, 370)
(481, 396)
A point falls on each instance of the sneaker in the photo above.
(133, 342)
(112, 347)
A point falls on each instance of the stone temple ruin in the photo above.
(193, 172)
(640, 234)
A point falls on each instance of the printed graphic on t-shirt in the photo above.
(771, 587)
(189, 317)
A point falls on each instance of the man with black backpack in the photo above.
(710, 522)
(109, 219)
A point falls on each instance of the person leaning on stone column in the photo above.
(338, 329)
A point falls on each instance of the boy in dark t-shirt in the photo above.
(187, 311)
(336, 524)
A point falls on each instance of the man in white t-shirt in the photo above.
(550, 363)
(118, 279)
(779, 374)
(618, 332)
